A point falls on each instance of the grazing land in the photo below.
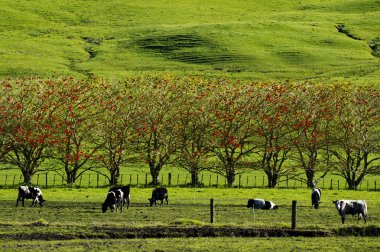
(72, 216)
(287, 40)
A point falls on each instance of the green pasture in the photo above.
(203, 244)
(281, 40)
(71, 220)
(187, 206)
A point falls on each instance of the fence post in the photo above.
(255, 182)
(89, 180)
(46, 180)
(202, 179)
(294, 214)
(121, 179)
(146, 180)
(338, 184)
(367, 185)
(239, 180)
(54, 180)
(6, 178)
(263, 182)
(331, 184)
(209, 182)
(177, 180)
(38, 179)
(186, 179)
(217, 180)
(375, 185)
(130, 178)
(97, 180)
(169, 179)
(247, 182)
(212, 213)
(14, 179)
(137, 180)
(80, 180)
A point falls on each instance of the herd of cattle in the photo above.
(118, 197)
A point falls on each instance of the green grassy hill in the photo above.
(249, 39)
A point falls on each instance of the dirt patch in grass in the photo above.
(183, 232)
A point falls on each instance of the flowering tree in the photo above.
(76, 136)
(273, 130)
(312, 112)
(154, 126)
(115, 127)
(231, 124)
(193, 129)
(357, 135)
(30, 107)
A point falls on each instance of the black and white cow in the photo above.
(316, 197)
(126, 191)
(114, 200)
(160, 194)
(352, 207)
(261, 204)
(30, 192)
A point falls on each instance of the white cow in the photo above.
(30, 192)
(261, 204)
(352, 207)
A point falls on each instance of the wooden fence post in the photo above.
(239, 180)
(375, 185)
(294, 214)
(97, 180)
(202, 179)
(209, 182)
(38, 179)
(177, 180)
(217, 180)
(186, 179)
(89, 180)
(80, 180)
(338, 184)
(46, 180)
(247, 182)
(6, 178)
(331, 184)
(255, 182)
(146, 180)
(169, 179)
(54, 180)
(263, 182)
(137, 180)
(212, 213)
(121, 179)
(14, 179)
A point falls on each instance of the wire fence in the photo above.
(53, 180)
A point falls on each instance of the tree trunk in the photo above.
(310, 178)
(194, 176)
(70, 177)
(27, 177)
(154, 172)
(114, 175)
(272, 179)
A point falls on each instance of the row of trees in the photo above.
(285, 129)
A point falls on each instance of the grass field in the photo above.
(73, 216)
(281, 40)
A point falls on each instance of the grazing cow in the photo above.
(315, 197)
(126, 191)
(261, 204)
(114, 198)
(159, 194)
(352, 207)
(30, 192)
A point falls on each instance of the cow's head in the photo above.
(104, 207)
(152, 201)
(339, 204)
(40, 199)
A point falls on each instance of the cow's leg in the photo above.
(167, 201)
(22, 200)
(342, 219)
(18, 199)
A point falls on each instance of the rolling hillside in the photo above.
(322, 40)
